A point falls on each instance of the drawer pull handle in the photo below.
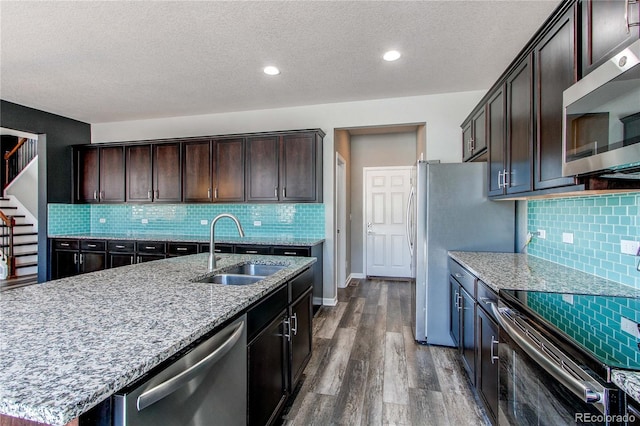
(64, 244)
(218, 250)
(290, 253)
(150, 247)
(458, 275)
(486, 300)
(252, 252)
(181, 249)
(119, 246)
(92, 245)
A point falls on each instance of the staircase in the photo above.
(25, 240)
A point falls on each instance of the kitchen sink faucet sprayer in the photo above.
(212, 244)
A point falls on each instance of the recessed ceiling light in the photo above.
(392, 55)
(271, 70)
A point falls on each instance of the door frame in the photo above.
(341, 221)
(364, 208)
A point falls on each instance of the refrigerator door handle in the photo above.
(408, 216)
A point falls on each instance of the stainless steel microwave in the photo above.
(601, 121)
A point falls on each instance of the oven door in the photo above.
(540, 385)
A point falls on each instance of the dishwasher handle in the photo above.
(166, 388)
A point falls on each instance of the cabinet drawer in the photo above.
(66, 244)
(121, 246)
(89, 245)
(220, 248)
(253, 249)
(151, 247)
(463, 276)
(265, 311)
(300, 284)
(181, 249)
(292, 251)
(486, 296)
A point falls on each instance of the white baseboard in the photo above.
(325, 301)
(356, 276)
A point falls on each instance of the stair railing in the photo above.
(7, 241)
(19, 157)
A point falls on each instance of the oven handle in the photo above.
(581, 389)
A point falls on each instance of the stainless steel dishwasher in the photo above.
(206, 385)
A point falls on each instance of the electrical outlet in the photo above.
(629, 247)
(542, 234)
(568, 298)
(103, 220)
(204, 222)
(257, 223)
(567, 237)
(630, 327)
(145, 221)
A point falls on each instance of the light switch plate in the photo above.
(629, 247)
(629, 326)
(145, 220)
(204, 222)
(257, 223)
(568, 298)
(567, 237)
(103, 220)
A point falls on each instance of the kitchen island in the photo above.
(67, 345)
(518, 271)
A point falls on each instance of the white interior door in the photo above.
(386, 194)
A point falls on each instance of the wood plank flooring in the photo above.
(366, 368)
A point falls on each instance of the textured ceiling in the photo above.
(125, 60)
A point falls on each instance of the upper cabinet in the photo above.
(607, 26)
(99, 175)
(497, 150)
(286, 168)
(474, 138)
(280, 167)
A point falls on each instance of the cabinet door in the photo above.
(468, 332)
(262, 168)
(488, 365)
(167, 173)
(91, 261)
(298, 168)
(87, 175)
(605, 31)
(455, 308)
(66, 263)
(196, 173)
(267, 370)
(555, 71)
(112, 174)
(141, 258)
(301, 332)
(466, 141)
(496, 155)
(139, 178)
(121, 259)
(229, 170)
(479, 142)
(519, 129)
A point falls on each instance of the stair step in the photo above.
(26, 265)
(28, 253)
(16, 225)
(24, 234)
(8, 208)
(29, 243)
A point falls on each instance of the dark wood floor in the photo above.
(367, 369)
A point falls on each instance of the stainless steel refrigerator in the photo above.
(448, 210)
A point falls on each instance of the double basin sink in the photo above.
(249, 273)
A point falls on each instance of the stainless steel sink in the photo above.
(232, 279)
(255, 269)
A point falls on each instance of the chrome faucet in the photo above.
(212, 243)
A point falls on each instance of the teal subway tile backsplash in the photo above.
(598, 223)
(258, 220)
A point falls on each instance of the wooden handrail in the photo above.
(9, 221)
(15, 149)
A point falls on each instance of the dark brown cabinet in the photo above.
(607, 26)
(285, 168)
(488, 365)
(73, 257)
(300, 314)
(497, 149)
(197, 169)
(462, 324)
(228, 170)
(153, 173)
(474, 139)
(262, 161)
(555, 71)
(99, 174)
(519, 90)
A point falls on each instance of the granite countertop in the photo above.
(68, 344)
(518, 271)
(277, 240)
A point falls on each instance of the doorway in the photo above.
(386, 191)
(341, 221)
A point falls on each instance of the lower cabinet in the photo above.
(279, 348)
(476, 333)
(71, 257)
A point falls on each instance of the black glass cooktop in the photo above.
(604, 326)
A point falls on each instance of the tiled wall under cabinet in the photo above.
(597, 223)
(296, 220)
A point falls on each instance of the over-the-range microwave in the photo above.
(601, 124)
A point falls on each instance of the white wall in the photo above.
(442, 113)
(25, 188)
